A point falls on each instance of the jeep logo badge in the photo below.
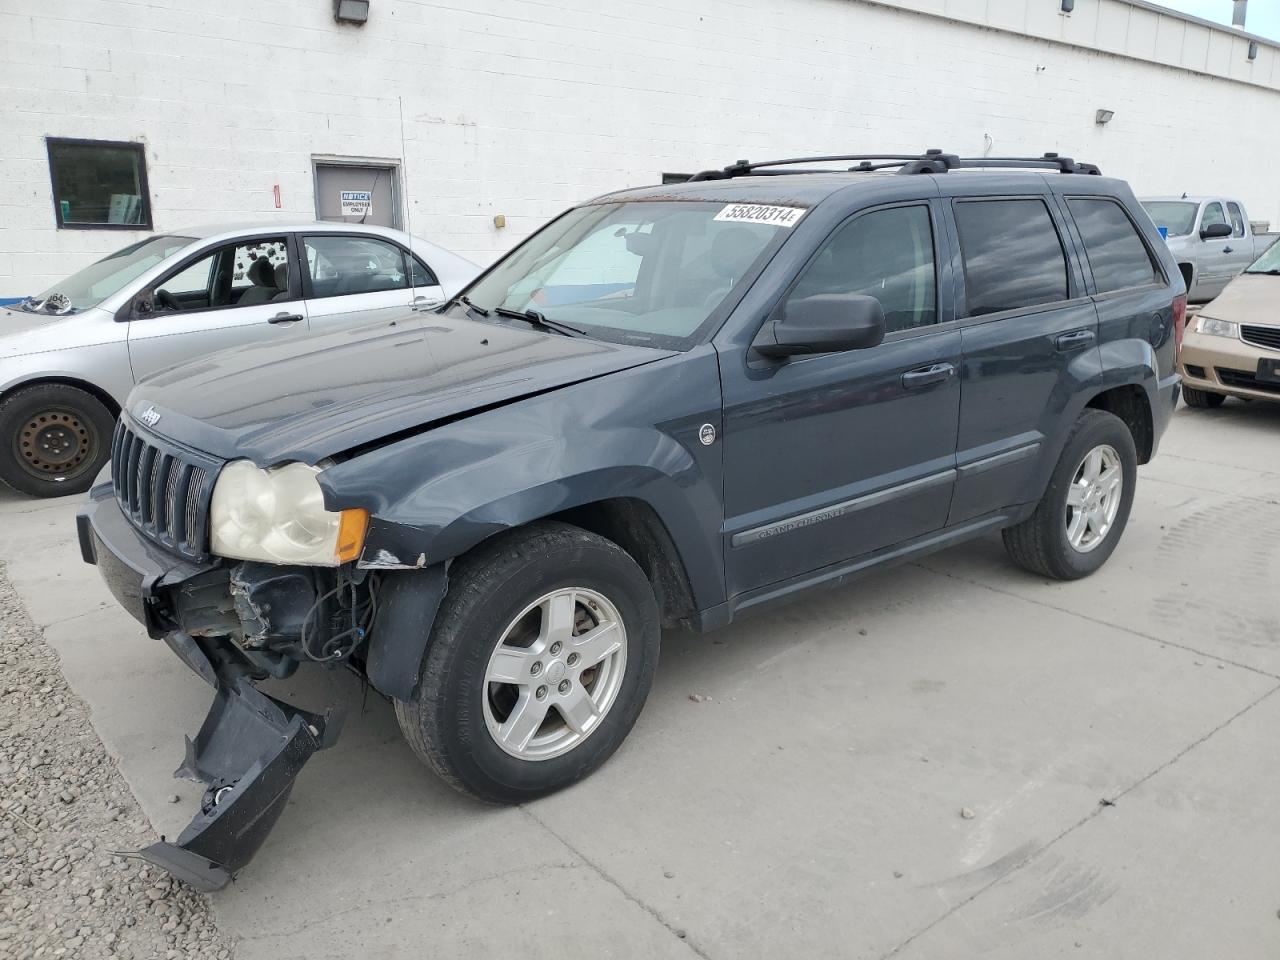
(149, 416)
(707, 434)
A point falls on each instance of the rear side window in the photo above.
(342, 265)
(1237, 219)
(1116, 253)
(886, 254)
(1012, 255)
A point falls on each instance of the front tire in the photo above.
(1082, 514)
(54, 439)
(540, 660)
(1201, 398)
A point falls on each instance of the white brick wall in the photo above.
(522, 107)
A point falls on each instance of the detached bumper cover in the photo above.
(251, 746)
(247, 753)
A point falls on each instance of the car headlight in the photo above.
(1217, 328)
(278, 516)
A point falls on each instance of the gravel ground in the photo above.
(64, 810)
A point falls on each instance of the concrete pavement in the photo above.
(1114, 738)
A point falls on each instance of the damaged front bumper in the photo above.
(251, 746)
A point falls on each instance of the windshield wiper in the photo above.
(466, 302)
(535, 319)
(1266, 273)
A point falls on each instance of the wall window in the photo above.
(886, 254)
(1012, 254)
(99, 184)
(1116, 253)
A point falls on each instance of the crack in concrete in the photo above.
(1038, 852)
(1163, 641)
(605, 876)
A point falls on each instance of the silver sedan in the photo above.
(69, 357)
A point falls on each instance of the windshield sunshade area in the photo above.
(1269, 262)
(90, 286)
(649, 272)
(1176, 216)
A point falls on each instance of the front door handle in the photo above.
(1226, 249)
(923, 376)
(1074, 340)
(286, 318)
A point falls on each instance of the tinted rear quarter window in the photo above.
(1012, 254)
(1116, 253)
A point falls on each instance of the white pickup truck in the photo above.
(1210, 237)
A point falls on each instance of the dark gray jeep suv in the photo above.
(669, 406)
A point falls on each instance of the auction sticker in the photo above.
(759, 213)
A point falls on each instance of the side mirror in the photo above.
(825, 323)
(1215, 231)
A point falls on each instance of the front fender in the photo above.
(632, 434)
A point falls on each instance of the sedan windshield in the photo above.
(1269, 262)
(650, 272)
(1176, 216)
(90, 286)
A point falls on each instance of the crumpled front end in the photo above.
(251, 745)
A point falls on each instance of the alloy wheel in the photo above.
(1093, 499)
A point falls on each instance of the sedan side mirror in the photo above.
(1215, 231)
(825, 323)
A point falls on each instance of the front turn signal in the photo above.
(352, 529)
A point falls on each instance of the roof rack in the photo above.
(931, 161)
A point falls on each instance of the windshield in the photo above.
(649, 272)
(1269, 262)
(1176, 216)
(90, 286)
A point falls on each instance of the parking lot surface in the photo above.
(948, 759)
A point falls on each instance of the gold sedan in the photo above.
(1232, 348)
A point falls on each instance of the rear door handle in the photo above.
(285, 318)
(1226, 250)
(922, 377)
(1074, 340)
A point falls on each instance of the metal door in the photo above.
(358, 193)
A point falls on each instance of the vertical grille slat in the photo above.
(162, 491)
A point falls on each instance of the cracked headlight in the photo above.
(278, 516)
(1217, 328)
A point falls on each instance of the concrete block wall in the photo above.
(523, 107)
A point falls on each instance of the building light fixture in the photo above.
(1253, 49)
(1103, 116)
(351, 11)
(1068, 5)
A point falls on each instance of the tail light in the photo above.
(1179, 322)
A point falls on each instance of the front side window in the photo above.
(886, 254)
(1117, 255)
(1178, 217)
(89, 287)
(1212, 214)
(1013, 257)
(637, 272)
(99, 184)
(340, 266)
(232, 275)
(1237, 219)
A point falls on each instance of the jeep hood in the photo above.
(1249, 298)
(311, 399)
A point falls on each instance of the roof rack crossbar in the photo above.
(931, 161)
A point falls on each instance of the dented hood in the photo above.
(310, 399)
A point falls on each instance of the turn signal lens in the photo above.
(351, 533)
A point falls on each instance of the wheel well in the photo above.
(1131, 405)
(102, 396)
(636, 528)
(1188, 274)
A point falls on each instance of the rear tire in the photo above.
(499, 619)
(1056, 540)
(1201, 398)
(54, 439)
